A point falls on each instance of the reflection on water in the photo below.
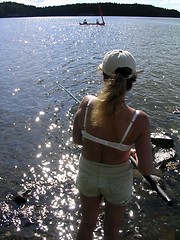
(36, 115)
(52, 209)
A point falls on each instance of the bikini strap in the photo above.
(130, 125)
(86, 112)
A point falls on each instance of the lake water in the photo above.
(37, 55)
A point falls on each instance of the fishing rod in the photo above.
(150, 179)
(69, 93)
(154, 185)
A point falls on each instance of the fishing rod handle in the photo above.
(158, 189)
(154, 185)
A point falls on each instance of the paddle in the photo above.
(149, 178)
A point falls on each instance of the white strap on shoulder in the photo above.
(130, 125)
(86, 111)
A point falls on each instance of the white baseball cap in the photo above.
(117, 59)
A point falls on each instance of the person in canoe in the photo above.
(97, 21)
(107, 128)
(85, 21)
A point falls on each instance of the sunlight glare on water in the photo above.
(36, 117)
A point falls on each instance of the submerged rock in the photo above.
(162, 140)
(162, 157)
(164, 153)
(21, 197)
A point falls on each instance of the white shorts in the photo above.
(113, 182)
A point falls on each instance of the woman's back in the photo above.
(113, 130)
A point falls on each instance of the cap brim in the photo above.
(139, 71)
(100, 67)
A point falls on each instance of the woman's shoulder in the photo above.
(142, 119)
(140, 113)
(86, 99)
(142, 116)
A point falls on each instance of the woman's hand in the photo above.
(134, 154)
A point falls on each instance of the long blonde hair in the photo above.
(114, 89)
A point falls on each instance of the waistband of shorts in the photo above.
(104, 168)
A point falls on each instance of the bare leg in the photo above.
(90, 212)
(113, 220)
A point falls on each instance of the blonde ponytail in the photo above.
(114, 89)
(108, 98)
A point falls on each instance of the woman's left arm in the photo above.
(77, 136)
(79, 120)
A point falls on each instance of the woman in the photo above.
(107, 127)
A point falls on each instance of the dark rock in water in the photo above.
(164, 157)
(21, 197)
(26, 222)
(177, 111)
(172, 165)
(162, 154)
(162, 140)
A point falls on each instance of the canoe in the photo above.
(97, 23)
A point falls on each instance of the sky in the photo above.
(169, 4)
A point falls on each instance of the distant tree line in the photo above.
(11, 9)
